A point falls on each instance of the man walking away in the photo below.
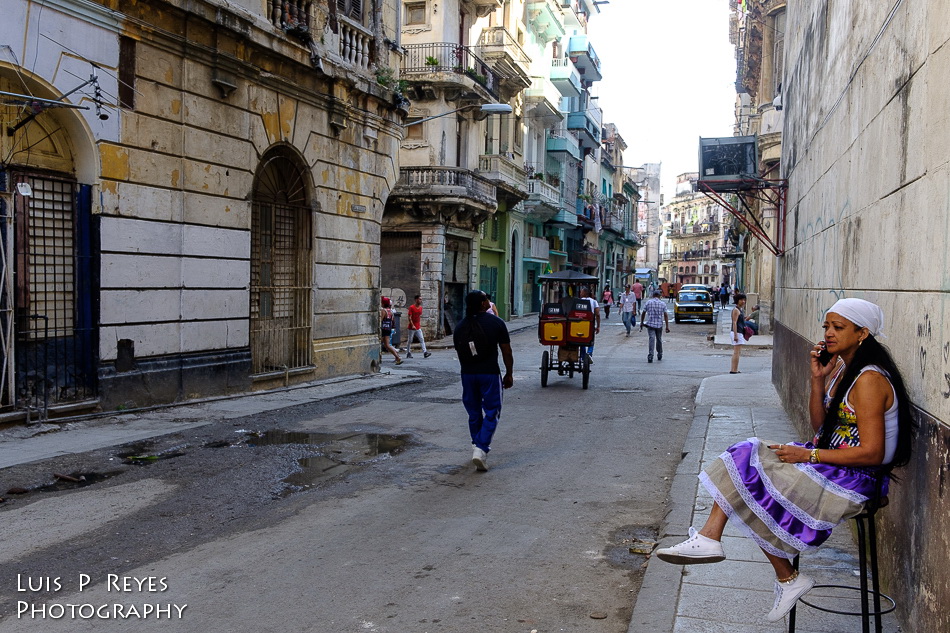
(655, 318)
(415, 328)
(638, 292)
(628, 309)
(477, 339)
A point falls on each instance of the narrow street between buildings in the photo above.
(364, 513)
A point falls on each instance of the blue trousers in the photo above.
(629, 320)
(481, 396)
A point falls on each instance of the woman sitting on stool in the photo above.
(788, 497)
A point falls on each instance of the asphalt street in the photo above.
(398, 541)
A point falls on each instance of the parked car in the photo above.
(693, 304)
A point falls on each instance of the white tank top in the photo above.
(890, 416)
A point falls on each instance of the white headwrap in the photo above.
(862, 313)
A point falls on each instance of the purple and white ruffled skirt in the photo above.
(785, 508)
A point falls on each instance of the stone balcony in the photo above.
(502, 170)
(450, 195)
(537, 248)
(544, 200)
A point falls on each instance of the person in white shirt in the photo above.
(628, 308)
(585, 294)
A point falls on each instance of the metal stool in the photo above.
(867, 542)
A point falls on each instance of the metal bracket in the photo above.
(771, 191)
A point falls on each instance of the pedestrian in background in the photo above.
(414, 315)
(477, 339)
(595, 308)
(723, 296)
(386, 328)
(638, 292)
(628, 309)
(654, 317)
(737, 335)
(788, 497)
(607, 300)
(753, 319)
(492, 307)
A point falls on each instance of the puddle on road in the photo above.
(338, 452)
(68, 481)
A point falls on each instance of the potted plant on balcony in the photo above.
(432, 61)
(480, 79)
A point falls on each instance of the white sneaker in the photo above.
(480, 459)
(787, 594)
(693, 551)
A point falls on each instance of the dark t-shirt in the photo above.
(493, 333)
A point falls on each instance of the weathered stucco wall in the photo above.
(865, 152)
(216, 88)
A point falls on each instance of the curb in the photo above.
(658, 599)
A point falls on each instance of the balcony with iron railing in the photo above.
(697, 228)
(613, 221)
(505, 172)
(447, 63)
(499, 48)
(353, 43)
(575, 14)
(585, 125)
(566, 78)
(696, 254)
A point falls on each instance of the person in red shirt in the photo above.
(415, 328)
(638, 293)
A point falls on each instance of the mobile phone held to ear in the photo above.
(824, 355)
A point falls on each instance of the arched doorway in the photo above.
(281, 305)
(49, 259)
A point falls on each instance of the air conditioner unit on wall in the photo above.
(729, 163)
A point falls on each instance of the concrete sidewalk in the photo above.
(734, 596)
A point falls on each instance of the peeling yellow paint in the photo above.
(227, 209)
(169, 76)
(288, 112)
(110, 186)
(175, 176)
(115, 162)
(176, 106)
(271, 122)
